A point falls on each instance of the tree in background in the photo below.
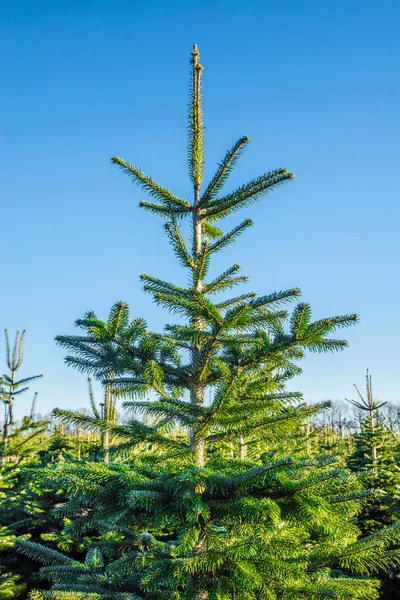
(98, 353)
(186, 519)
(376, 456)
(10, 387)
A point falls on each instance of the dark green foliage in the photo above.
(376, 456)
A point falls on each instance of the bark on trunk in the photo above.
(197, 392)
(242, 448)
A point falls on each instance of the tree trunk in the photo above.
(6, 429)
(308, 433)
(197, 392)
(106, 446)
(8, 414)
(242, 448)
(107, 418)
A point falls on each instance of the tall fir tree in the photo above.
(187, 519)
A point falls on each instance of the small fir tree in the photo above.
(376, 456)
(10, 388)
(375, 446)
(97, 352)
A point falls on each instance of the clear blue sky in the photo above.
(315, 86)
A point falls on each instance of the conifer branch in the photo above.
(229, 237)
(169, 201)
(42, 554)
(153, 284)
(245, 195)
(209, 231)
(225, 168)
(179, 245)
(223, 281)
(238, 300)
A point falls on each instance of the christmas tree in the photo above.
(217, 505)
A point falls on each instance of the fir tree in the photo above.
(98, 352)
(10, 387)
(375, 446)
(185, 519)
(376, 456)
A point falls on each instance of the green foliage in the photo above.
(376, 456)
(27, 501)
(28, 498)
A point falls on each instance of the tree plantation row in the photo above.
(215, 482)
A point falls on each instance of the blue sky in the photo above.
(315, 86)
